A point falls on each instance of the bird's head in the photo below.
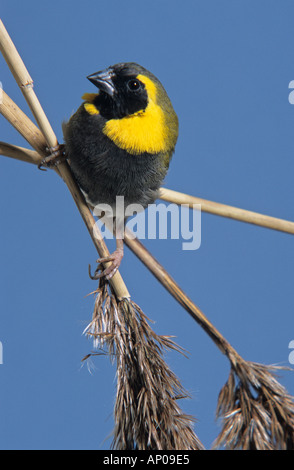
(128, 90)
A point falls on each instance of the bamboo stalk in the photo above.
(23, 124)
(231, 212)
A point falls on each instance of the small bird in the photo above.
(120, 142)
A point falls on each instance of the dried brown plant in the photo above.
(257, 412)
(146, 413)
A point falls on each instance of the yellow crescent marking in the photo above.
(144, 131)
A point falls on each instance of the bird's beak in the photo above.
(103, 81)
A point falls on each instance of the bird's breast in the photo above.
(142, 132)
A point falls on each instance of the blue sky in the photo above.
(226, 67)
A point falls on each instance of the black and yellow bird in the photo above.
(120, 142)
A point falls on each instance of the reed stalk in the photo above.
(161, 275)
(45, 138)
(230, 212)
(255, 410)
(147, 415)
(20, 153)
(169, 195)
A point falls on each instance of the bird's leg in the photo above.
(116, 258)
(56, 156)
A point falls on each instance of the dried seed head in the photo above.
(257, 412)
(146, 413)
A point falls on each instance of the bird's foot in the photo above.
(56, 156)
(110, 271)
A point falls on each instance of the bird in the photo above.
(120, 142)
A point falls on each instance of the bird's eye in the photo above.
(134, 85)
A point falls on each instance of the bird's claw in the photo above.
(56, 156)
(110, 271)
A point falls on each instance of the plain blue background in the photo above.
(226, 66)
